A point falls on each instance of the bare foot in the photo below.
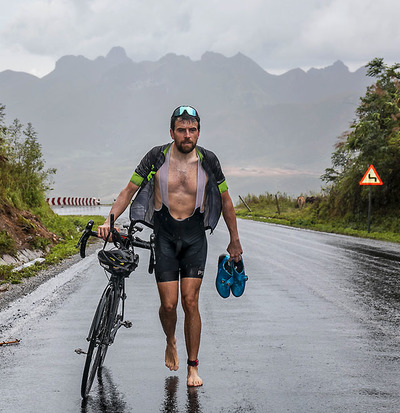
(193, 379)
(171, 356)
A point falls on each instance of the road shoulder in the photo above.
(16, 291)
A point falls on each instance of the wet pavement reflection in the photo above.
(106, 398)
(373, 274)
(170, 404)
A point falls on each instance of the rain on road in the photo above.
(315, 331)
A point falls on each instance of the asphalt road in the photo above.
(315, 331)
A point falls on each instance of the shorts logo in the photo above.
(200, 273)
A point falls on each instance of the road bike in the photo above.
(119, 262)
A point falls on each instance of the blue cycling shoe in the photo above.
(224, 279)
(239, 278)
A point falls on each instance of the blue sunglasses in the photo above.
(188, 109)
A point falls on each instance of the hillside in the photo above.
(96, 118)
(25, 231)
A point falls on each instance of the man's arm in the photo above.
(228, 212)
(118, 208)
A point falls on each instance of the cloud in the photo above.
(41, 27)
(353, 30)
(150, 29)
(275, 34)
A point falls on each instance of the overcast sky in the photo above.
(278, 35)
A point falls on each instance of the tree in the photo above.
(374, 138)
(3, 130)
(24, 178)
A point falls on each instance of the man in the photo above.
(181, 193)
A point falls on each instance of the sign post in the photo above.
(370, 178)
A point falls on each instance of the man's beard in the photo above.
(184, 148)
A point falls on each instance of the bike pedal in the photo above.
(127, 324)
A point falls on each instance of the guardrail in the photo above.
(73, 201)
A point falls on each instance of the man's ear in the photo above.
(171, 132)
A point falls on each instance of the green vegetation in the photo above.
(374, 138)
(7, 244)
(23, 177)
(68, 228)
(317, 216)
(23, 207)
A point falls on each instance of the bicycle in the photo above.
(119, 262)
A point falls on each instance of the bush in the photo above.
(7, 244)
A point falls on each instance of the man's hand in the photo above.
(118, 208)
(235, 250)
(103, 230)
(228, 212)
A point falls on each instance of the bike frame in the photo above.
(107, 320)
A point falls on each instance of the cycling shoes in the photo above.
(239, 278)
(224, 279)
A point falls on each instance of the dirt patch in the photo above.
(24, 228)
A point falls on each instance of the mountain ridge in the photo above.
(88, 111)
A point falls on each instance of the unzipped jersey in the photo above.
(142, 207)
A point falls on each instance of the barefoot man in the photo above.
(181, 193)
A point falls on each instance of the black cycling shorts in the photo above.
(180, 246)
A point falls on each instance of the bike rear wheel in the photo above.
(99, 339)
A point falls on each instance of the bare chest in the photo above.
(182, 177)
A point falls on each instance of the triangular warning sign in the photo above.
(371, 177)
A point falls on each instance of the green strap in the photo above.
(137, 179)
(223, 186)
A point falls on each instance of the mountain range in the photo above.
(95, 119)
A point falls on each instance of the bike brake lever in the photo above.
(84, 238)
(86, 231)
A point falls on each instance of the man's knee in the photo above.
(190, 303)
(168, 307)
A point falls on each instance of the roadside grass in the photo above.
(7, 243)
(264, 208)
(67, 228)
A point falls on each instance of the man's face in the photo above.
(185, 135)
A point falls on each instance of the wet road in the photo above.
(316, 331)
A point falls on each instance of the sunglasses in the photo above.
(188, 109)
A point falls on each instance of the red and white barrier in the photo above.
(73, 201)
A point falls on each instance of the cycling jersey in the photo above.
(142, 207)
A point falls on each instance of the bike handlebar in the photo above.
(84, 238)
(130, 239)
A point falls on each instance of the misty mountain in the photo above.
(96, 118)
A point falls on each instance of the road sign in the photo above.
(371, 177)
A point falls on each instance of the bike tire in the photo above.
(113, 322)
(98, 344)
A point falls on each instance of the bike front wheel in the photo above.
(98, 340)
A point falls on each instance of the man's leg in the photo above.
(190, 289)
(169, 299)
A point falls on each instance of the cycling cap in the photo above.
(117, 261)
